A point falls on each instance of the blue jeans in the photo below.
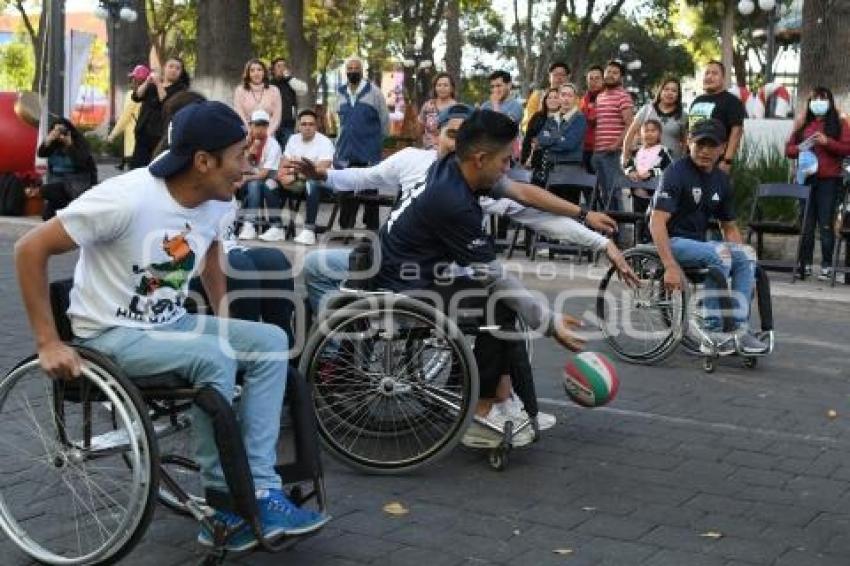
(314, 198)
(207, 350)
(255, 193)
(283, 134)
(610, 175)
(324, 272)
(735, 260)
(824, 201)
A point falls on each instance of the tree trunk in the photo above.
(302, 48)
(454, 42)
(39, 82)
(823, 51)
(589, 31)
(132, 47)
(739, 63)
(727, 32)
(224, 46)
(545, 57)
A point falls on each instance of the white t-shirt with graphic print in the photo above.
(138, 250)
(320, 148)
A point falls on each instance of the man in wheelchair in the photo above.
(141, 237)
(693, 191)
(439, 223)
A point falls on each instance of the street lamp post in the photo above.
(747, 7)
(113, 11)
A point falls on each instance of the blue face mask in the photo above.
(819, 107)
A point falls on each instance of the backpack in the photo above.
(11, 195)
(289, 101)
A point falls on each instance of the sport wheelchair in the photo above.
(395, 381)
(645, 325)
(84, 461)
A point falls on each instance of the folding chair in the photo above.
(842, 238)
(636, 218)
(759, 224)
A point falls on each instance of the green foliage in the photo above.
(17, 67)
(99, 145)
(267, 36)
(754, 166)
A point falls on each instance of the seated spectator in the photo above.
(647, 162)
(71, 170)
(562, 139)
(532, 154)
(318, 148)
(260, 186)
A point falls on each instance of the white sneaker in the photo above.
(306, 237)
(273, 234)
(248, 232)
(513, 406)
(481, 436)
(720, 343)
(825, 273)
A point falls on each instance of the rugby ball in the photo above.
(590, 379)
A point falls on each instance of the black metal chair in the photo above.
(842, 238)
(760, 223)
(636, 217)
(558, 182)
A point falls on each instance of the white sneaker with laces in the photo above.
(248, 232)
(545, 421)
(306, 237)
(722, 343)
(513, 406)
(273, 234)
(825, 273)
(480, 436)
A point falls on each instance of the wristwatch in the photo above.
(582, 214)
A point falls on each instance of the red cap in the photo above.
(140, 72)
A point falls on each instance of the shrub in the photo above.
(752, 168)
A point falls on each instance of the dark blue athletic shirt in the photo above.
(693, 197)
(436, 223)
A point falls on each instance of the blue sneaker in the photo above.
(241, 537)
(280, 516)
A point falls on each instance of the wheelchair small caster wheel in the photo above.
(296, 495)
(498, 459)
(751, 363)
(709, 365)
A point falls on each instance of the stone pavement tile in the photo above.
(719, 503)
(667, 557)
(698, 469)
(554, 515)
(826, 488)
(669, 515)
(796, 557)
(742, 527)
(750, 443)
(149, 553)
(373, 523)
(767, 478)
(298, 556)
(700, 451)
(611, 526)
(548, 557)
(604, 503)
(351, 546)
(768, 495)
(800, 450)
(748, 550)
(790, 515)
(751, 459)
(610, 552)
(678, 538)
(417, 556)
(839, 545)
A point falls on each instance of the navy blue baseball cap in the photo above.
(462, 111)
(709, 129)
(201, 126)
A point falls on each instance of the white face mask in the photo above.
(819, 107)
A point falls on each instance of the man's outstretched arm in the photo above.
(32, 253)
(534, 196)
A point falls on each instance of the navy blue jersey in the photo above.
(434, 224)
(693, 197)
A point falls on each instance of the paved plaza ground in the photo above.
(740, 467)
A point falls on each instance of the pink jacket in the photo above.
(245, 102)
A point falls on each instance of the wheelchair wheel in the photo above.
(642, 325)
(78, 462)
(394, 383)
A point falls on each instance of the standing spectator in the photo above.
(364, 122)
(255, 93)
(152, 93)
(290, 89)
(501, 99)
(532, 154)
(614, 113)
(260, 184)
(308, 143)
(647, 162)
(559, 73)
(595, 84)
(70, 167)
(126, 123)
(716, 102)
(562, 139)
(442, 96)
(826, 135)
(668, 110)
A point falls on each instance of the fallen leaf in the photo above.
(516, 532)
(396, 509)
(832, 413)
(712, 535)
(588, 508)
(563, 551)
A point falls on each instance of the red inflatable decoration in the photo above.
(18, 141)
